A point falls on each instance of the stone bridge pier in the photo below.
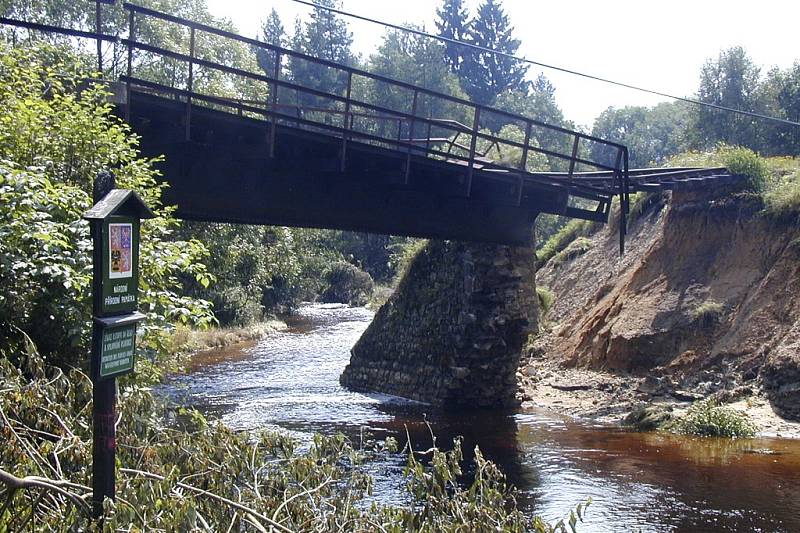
(452, 332)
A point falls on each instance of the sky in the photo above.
(654, 44)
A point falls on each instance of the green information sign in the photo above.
(117, 350)
(120, 282)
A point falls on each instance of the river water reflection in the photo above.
(637, 481)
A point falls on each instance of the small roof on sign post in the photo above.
(119, 202)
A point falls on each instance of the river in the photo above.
(637, 481)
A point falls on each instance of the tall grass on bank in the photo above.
(707, 418)
(572, 230)
(194, 475)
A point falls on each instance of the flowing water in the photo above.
(637, 481)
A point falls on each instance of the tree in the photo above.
(780, 94)
(53, 141)
(485, 75)
(536, 101)
(272, 32)
(417, 60)
(452, 23)
(651, 134)
(324, 36)
(732, 80)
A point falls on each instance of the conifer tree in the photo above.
(272, 32)
(452, 24)
(327, 37)
(484, 75)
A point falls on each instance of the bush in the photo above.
(708, 313)
(545, 298)
(745, 162)
(648, 417)
(197, 475)
(740, 161)
(52, 143)
(576, 248)
(346, 284)
(708, 419)
(782, 200)
(403, 255)
(558, 242)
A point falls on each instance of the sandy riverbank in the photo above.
(608, 398)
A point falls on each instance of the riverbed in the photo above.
(637, 481)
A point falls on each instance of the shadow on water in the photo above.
(638, 481)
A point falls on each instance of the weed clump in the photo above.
(707, 418)
(576, 248)
(708, 313)
(782, 201)
(545, 298)
(563, 238)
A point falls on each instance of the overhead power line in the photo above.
(548, 66)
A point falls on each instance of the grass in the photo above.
(546, 299)
(576, 248)
(707, 418)
(737, 160)
(563, 238)
(187, 340)
(379, 297)
(403, 258)
(708, 313)
(782, 200)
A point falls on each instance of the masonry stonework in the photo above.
(453, 331)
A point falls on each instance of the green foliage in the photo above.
(510, 155)
(256, 269)
(53, 141)
(195, 474)
(731, 81)
(546, 298)
(738, 160)
(452, 23)
(325, 36)
(576, 248)
(782, 200)
(563, 238)
(485, 75)
(648, 417)
(708, 313)
(347, 284)
(708, 419)
(746, 163)
(734, 80)
(650, 133)
(535, 100)
(403, 256)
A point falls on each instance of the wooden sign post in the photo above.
(115, 222)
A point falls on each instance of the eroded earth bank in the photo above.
(704, 303)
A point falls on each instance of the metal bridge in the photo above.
(316, 156)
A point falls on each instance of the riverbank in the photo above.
(193, 341)
(606, 397)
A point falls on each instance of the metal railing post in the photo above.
(276, 73)
(347, 121)
(574, 156)
(98, 25)
(428, 138)
(472, 145)
(623, 219)
(190, 86)
(523, 164)
(411, 126)
(131, 37)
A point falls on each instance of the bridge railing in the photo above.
(343, 109)
(350, 106)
